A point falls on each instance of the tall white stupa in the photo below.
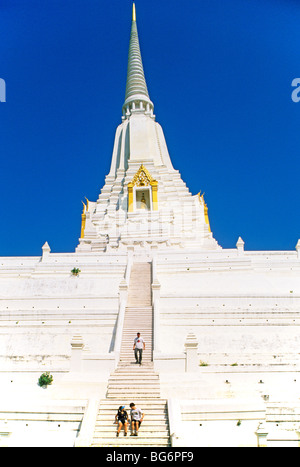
(144, 201)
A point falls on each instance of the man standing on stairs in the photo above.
(138, 347)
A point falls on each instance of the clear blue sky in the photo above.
(219, 74)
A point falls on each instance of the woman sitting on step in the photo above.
(122, 417)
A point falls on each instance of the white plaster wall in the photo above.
(42, 306)
(240, 309)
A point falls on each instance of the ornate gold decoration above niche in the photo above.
(201, 200)
(142, 178)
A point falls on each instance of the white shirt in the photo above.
(139, 342)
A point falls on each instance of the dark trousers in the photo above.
(138, 353)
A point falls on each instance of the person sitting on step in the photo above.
(122, 419)
(136, 419)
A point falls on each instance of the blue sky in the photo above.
(219, 74)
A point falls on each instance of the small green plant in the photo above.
(234, 364)
(75, 271)
(239, 423)
(203, 363)
(45, 379)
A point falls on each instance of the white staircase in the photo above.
(139, 385)
(139, 293)
(138, 313)
(131, 382)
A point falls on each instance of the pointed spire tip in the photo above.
(133, 12)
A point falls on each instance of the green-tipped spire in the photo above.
(136, 88)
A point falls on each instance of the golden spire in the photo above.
(133, 12)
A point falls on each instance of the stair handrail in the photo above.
(123, 295)
(155, 302)
(88, 423)
(174, 417)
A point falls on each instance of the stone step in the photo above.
(134, 380)
(146, 378)
(141, 316)
(138, 313)
(147, 368)
(122, 389)
(146, 405)
(138, 287)
(133, 392)
(153, 407)
(129, 357)
(137, 301)
(140, 291)
(129, 334)
(128, 348)
(138, 309)
(133, 377)
(133, 369)
(142, 297)
(128, 339)
(151, 416)
(149, 427)
(161, 436)
(152, 411)
(136, 374)
(150, 419)
(148, 384)
(132, 396)
(134, 320)
(126, 359)
(130, 441)
(144, 329)
(142, 434)
(147, 354)
(131, 331)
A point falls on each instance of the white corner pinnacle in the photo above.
(46, 251)
(298, 248)
(240, 246)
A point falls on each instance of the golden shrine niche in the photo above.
(142, 192)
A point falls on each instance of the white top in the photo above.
(139, 342)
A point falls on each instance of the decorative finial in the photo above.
(136, 96)
(240, 246)
(46, 251)
(298, 248)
